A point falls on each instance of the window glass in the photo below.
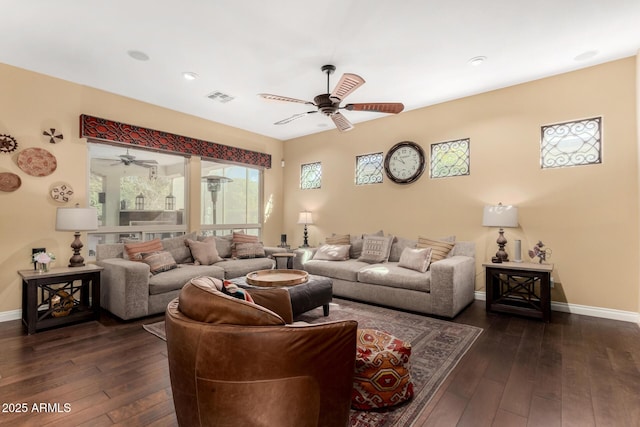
(231, 198)
(451, 158)
(137, 193)
(571, 143)
(369, 169)
(311, 176)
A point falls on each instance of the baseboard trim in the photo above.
(585, 310)
(5, 316)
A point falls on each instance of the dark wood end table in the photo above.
(522, 288)
(39, 288)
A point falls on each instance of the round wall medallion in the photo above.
(9, 181)
(62, 193)
(404, 163)
(37, 162)
(8, 144)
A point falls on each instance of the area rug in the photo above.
(437, 347)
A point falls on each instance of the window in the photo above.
(571, 143)
(311, 176)
(231, 198)
(139, 194)
(369, 169)
(450, 158)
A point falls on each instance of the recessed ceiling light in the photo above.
(586, 55)
(189, 75)
(138, 55)
(477, 60)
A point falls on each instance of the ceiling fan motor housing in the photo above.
(326, 105)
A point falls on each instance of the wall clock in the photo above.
(404, 163)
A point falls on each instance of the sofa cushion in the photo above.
(205, 252)
(134, 250)
(178, 247)
(391, 275)
(241, 267)
(415, 259)
(249, 250)
(159, 261)
(399, 244)
(345, 270)
(439, 248)
(376, 249)
(332, 252)
(172, 280)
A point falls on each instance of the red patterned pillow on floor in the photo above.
(382, 376)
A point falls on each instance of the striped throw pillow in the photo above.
(338, 239)
(439, 248)
(159, 261)
(135, 250)
(241, 238)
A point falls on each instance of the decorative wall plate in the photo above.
(9, 181)
(53, 136)
(37, 162)
(62, 193)
(8, 143)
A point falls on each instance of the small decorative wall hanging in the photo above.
(53, 138)
(8, 143)
(153, 172)
(9, 182)
(37, 162)
(62, 193)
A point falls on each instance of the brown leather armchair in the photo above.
(236, 364)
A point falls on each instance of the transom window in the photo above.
(369, 169)
(450, 158)
(571, 143)
(310, 175)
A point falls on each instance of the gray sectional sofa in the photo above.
(130, 291)
(445, 289)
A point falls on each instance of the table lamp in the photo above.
(305, 218)
(500, 216)
(76, 219)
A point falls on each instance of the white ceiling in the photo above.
(410, 51)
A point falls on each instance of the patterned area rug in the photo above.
(437, 347)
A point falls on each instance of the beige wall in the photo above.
(32, 103)
(587, 215)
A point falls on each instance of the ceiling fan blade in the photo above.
(149, 162)
(342, 123)
(294, 117)
(377, 107)
(284, 98)
(347, 84)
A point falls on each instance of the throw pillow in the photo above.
(250, 250)
(415, 259)
(241, 238)
(205, 252)
(399, 244)
(159, 261)
(338, 239)
(135, 250)
(375, 249)
(332, 252)
(439, 248)
(356, 247)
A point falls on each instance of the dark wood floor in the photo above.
(575, 371)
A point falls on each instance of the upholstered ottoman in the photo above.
(382, 376)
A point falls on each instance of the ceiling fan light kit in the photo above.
(329, 103)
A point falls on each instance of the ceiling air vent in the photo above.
(220, 97)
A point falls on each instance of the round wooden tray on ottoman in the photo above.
(269, 278)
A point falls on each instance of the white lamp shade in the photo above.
(305, 218)
(76, 219)
(500, 216)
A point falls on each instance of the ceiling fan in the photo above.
(129, 159)
(329, 103)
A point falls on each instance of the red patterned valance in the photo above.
(108, 130)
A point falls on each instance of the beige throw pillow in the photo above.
(439, 249)
(332, 253)
(375, 249)
(415, 259)
(159, 261)
(205, 252)
(338, 239)
(249, 250)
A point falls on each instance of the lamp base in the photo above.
(76, 260)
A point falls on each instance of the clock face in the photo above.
(404, 162)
